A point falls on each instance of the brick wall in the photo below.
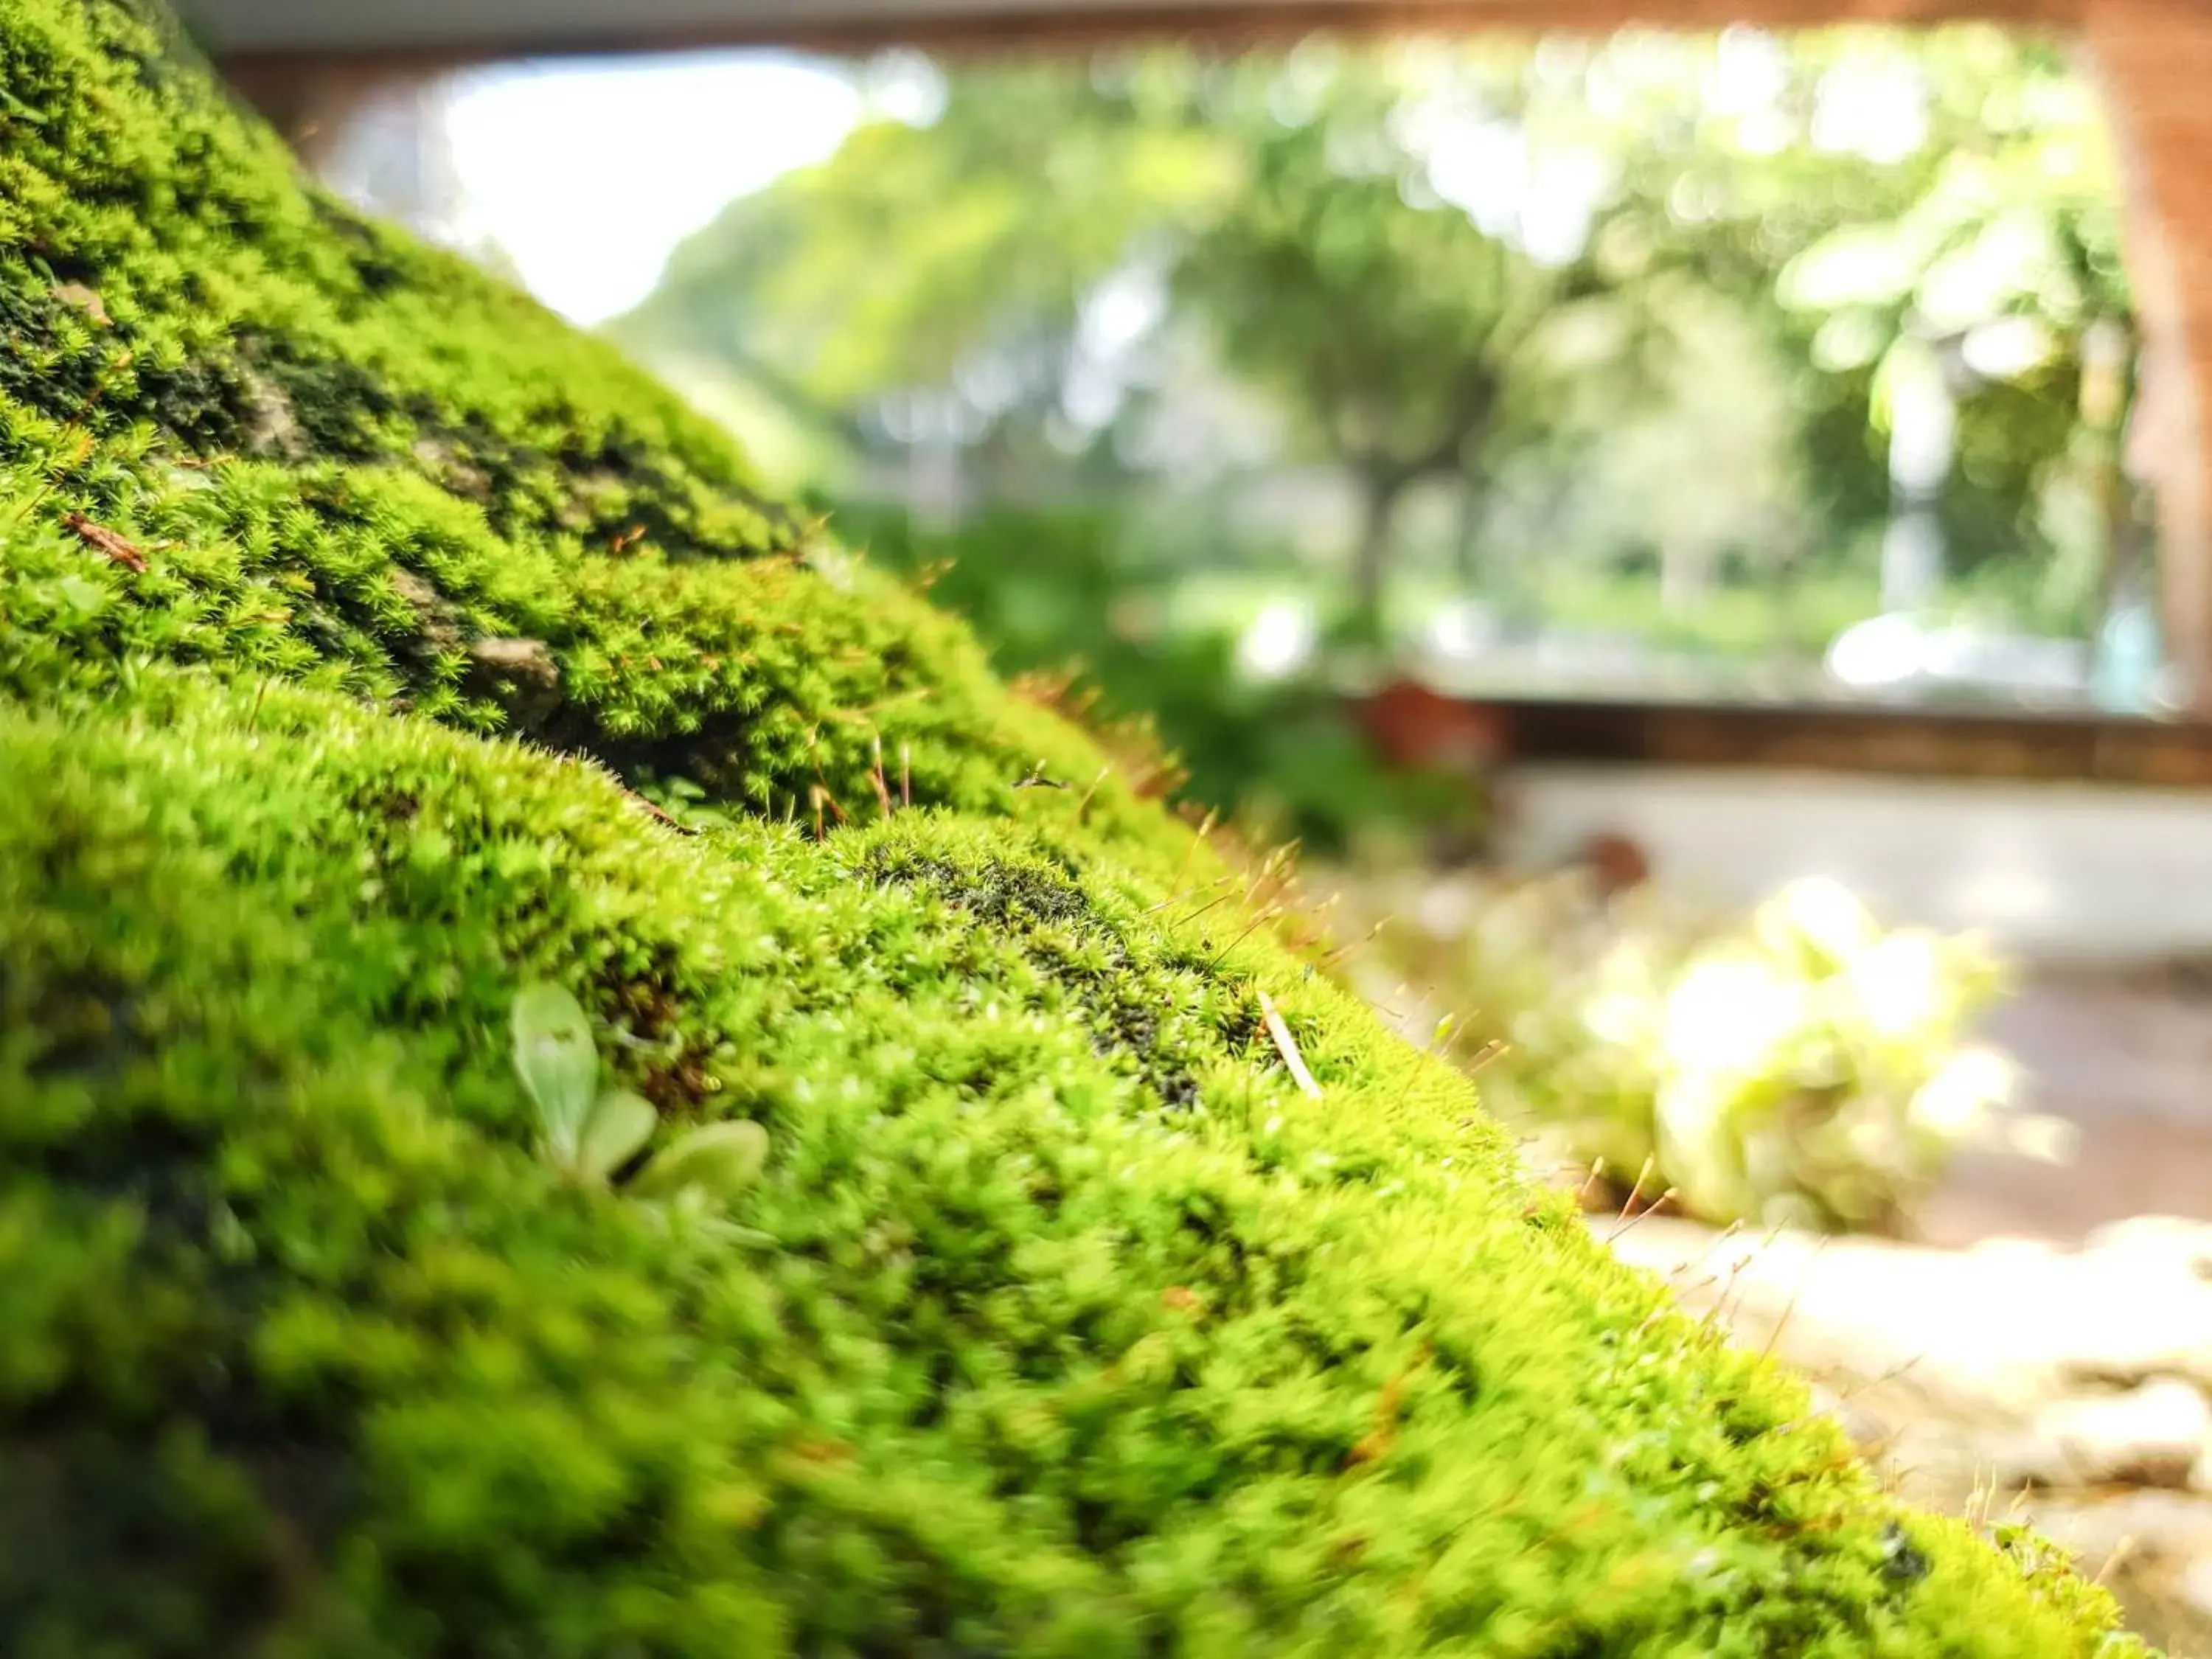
(2154, 57)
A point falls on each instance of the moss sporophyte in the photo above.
(354, 1303)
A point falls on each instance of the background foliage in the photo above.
(1799, 1066)
(1518, 324)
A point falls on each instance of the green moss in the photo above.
(351, 460)
(1061, 1322)
(1016, 1352)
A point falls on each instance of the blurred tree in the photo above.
(1453, 264)
(1883, 200)
(928, 284)
(1402, 335)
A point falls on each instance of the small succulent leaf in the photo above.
(617, 1131)
(558, 1063)
(721, 1160)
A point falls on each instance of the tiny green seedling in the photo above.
(723, 1158)
(589, 1132)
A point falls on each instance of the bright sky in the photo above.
(588, 173)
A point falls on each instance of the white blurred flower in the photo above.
(1871, 1139)
(1622, 1016)
(1696, 1148)
(1972, 1084)
(1821, 912)
(1900, 985)
(1728, 1013)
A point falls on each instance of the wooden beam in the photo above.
(1411, 726)
(1086, 24)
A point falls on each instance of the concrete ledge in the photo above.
(2058, 873)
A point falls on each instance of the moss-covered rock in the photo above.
(346, 459)
(1062, 1320)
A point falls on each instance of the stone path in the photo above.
(2069, 1386)
(2045, 1351)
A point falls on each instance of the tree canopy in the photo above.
(1429, 262)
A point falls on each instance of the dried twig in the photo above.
(654, 811)
(121, 549)
(1287, 1046)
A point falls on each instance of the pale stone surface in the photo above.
(1994, 1331)
(2069, 1388)
(2056, 874)
(2150, 1436)
(2195, 1584)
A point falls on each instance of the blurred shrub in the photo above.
(1051, 589)
(1799, 1067)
